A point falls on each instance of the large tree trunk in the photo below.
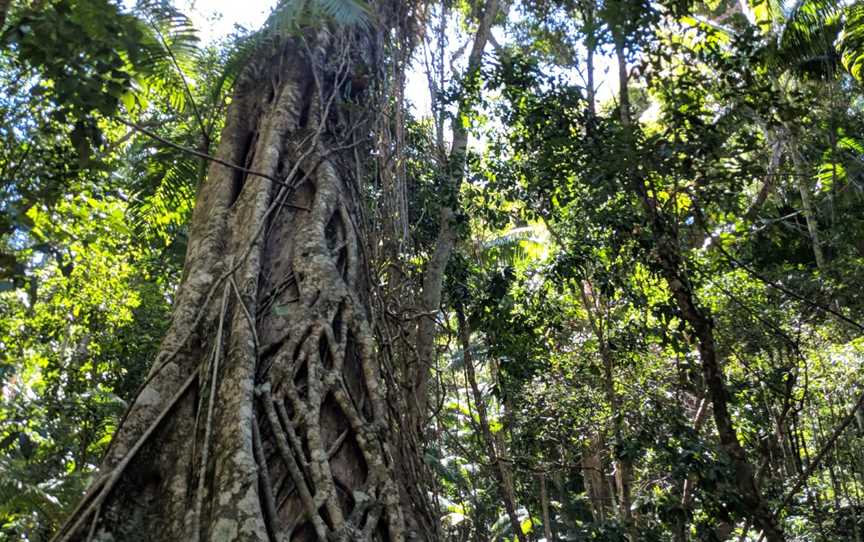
(267, 415)
(594, 474)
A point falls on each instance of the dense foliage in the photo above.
(701, 202)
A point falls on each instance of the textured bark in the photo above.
(623, 467)
(265, 416)
(595, 478)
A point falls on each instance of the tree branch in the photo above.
(193, 152)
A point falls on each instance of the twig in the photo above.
(700, 219)
(787, 291)
(249, 319)
(264, 478)
(193, 152)
(94, 522)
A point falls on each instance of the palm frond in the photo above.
(768, 13)
(236, 55)
(292, 15)
(168, 53)
(162, 199)
(851, 41)
(287, 19)
(345, 12)
(514, 246)
(807, 36)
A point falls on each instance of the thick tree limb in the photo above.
(433, 278)
(670, 261)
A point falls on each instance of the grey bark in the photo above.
(594, 475)
(265, 414)
(807, 206)
(771, 177)
(433, 279)
(623, 467)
